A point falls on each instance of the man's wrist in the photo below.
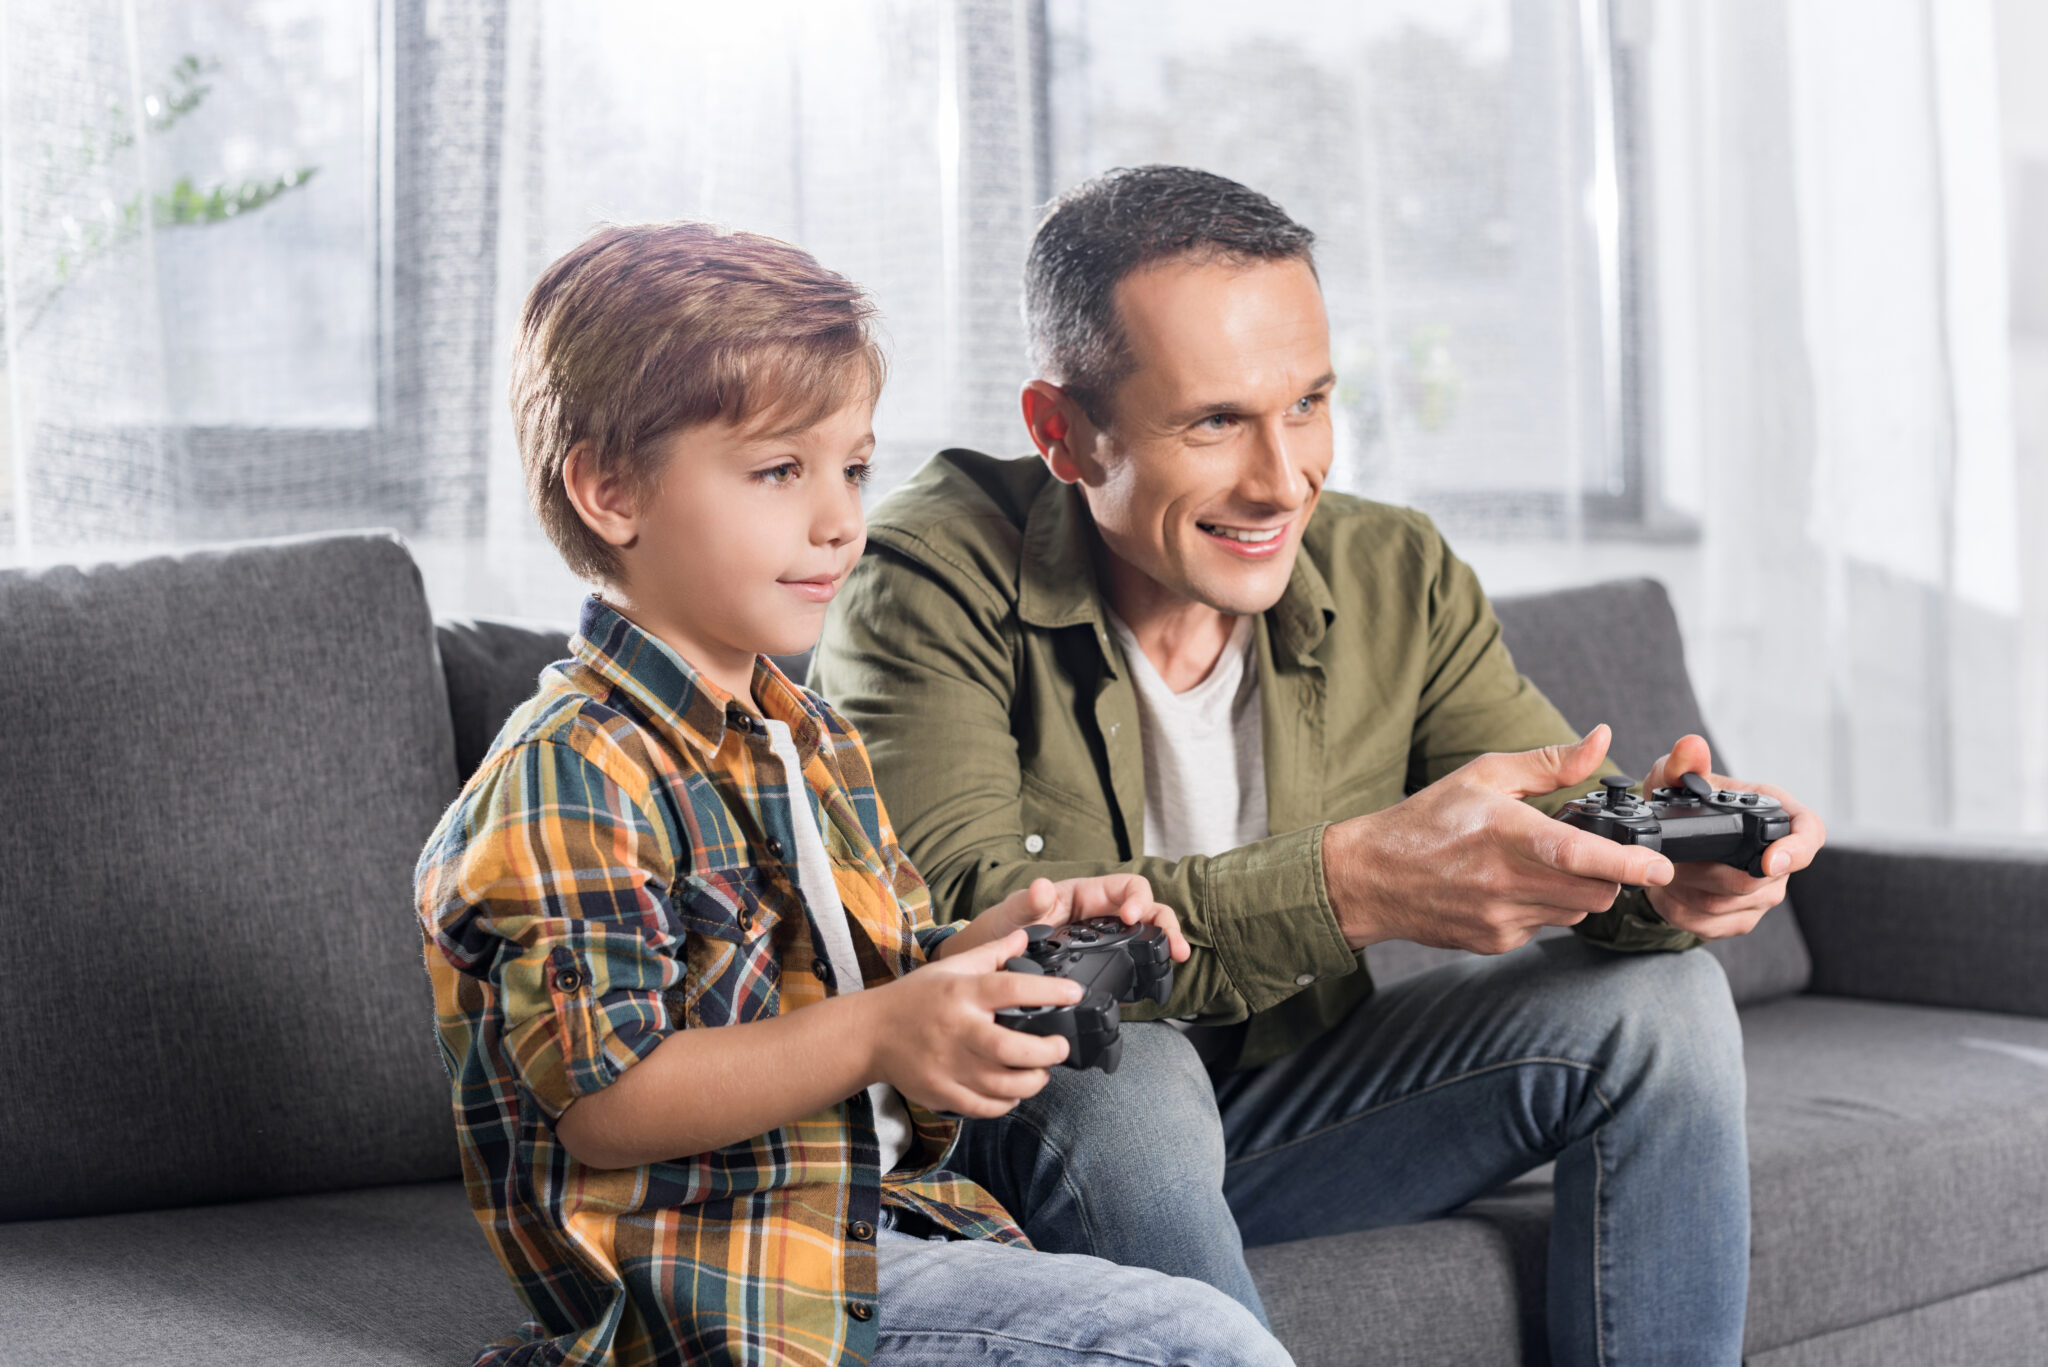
(1345, 881)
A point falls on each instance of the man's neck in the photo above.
(1181, 637)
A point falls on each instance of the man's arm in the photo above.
(926, 668)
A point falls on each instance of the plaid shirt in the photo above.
(616, 870)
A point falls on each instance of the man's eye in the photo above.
(1307, 404)
(860, 472)
(1217, 422)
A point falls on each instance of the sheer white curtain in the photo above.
(1713, 290)
(1835, 362)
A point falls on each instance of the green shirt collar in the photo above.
(1057, 585)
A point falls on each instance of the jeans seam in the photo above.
(1067, 1183)
(1010, 1336)
(1438, 1085)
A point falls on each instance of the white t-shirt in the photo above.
(1205, 751)
(828, 915)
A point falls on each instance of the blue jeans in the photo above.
(945, 1302)
(1623, 1069)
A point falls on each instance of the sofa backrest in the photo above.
(221, 768)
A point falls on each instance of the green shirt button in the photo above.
(1033, 843)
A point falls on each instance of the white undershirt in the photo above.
(1205, 751)
(828, 916)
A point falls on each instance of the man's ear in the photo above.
(603, 501)
(1057, 427)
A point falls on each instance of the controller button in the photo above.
(1304, 979)
(1034, 843)
(1020, 964)
(1697, 785)
(1038, 934)
(1084, 936)
(1749, 799)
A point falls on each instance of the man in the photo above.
(1162, 648)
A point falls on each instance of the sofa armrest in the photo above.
(1954, 926)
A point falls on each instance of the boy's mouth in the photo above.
(817, 589)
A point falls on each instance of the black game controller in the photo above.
(1695, 823)
(1114, 962)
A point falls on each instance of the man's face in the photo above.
(747, 537)
(1217, 444)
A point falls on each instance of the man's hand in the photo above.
(937, 1042)
(1466, 864)
(1714, 901)
(1126, 896)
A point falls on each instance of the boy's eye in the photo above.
(860, 472)
(779, 474)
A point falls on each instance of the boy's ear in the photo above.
(1057, 426)
(603, 501)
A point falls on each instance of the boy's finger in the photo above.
(1176, 943)
(1009, 1048)
(999, 990)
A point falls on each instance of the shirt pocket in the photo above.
(731, 968)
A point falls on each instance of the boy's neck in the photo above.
(728, 670)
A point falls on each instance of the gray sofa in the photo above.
(225, 1131)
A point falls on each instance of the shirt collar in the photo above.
(1058, 588)
(674, 696)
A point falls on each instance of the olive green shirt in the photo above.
(970, 649)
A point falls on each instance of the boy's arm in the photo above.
(931, 1035)
(554, 891)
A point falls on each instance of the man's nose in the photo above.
(1275, 476)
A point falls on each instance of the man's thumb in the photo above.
(1531, 773)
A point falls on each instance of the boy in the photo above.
(705, 1042)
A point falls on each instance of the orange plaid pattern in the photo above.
(613, 872)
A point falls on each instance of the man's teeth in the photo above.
(1249, 538)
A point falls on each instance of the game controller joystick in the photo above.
(1113, 962)
(1693, 823)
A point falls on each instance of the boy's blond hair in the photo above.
(640, 331)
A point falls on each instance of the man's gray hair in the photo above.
(1102, 230)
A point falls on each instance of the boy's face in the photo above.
(743, 541)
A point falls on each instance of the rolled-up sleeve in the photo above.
(557, 899)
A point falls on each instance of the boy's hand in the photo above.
(1126, 896)
(938, 1042)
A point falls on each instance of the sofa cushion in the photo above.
(491, 668)
(221, 769)
(1898, 1158)
(386, 1275)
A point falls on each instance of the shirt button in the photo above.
(860, 1310)
(821, 970)
(774, 848)
(745, 918)
(861, 1230)
(1304, 979)
(1033, 843)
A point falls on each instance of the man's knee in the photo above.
(1154, 1118)
(1676, 1028)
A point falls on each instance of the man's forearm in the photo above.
(705, 1088)
(1258, 918)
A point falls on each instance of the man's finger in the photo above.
(1585, 855)
(1690, 756)
(1530, 773)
